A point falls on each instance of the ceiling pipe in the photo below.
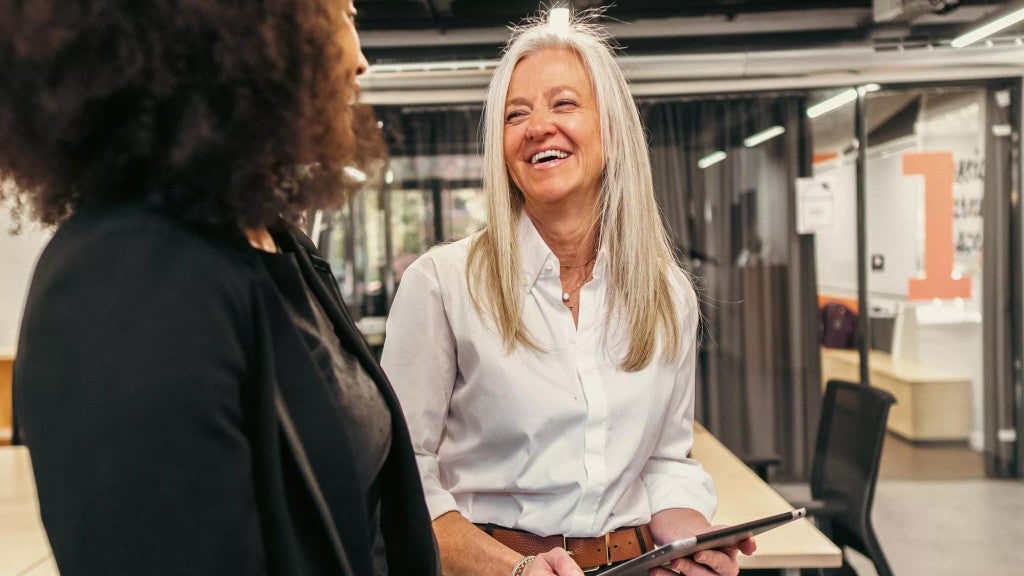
(899, 11)
(1010, 15)
(845, 61)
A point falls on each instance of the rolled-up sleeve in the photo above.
(672, 479)
(419, 358)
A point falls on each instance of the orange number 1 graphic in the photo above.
(937, 169)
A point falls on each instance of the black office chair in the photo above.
(845, 468)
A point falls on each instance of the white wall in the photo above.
(835, 248)
(18, 255)
(950, 121)
(895, 223)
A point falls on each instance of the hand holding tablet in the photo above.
(719, 538)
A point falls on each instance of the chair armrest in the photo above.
(799, 496)
(762, 464)
(823, 509)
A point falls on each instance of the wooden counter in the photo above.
(6, 367)
(930, 404)
(743, 496)
(24, 549)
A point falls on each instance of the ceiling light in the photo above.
(837, 101)
(763, 136)
(711, 159)
(986, 30)
(417, 67)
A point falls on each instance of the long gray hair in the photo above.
(639, 255)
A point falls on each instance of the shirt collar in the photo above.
(536, 256)
(533, 252)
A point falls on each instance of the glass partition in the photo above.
(926, 220)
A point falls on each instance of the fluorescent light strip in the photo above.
(763, 136)
(989, 29)
(840, 100)
(711, 159)
(837, 101)
(453, 66)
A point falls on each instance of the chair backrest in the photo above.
(849, 448)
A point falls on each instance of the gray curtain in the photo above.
(430, 130)
(759, 388)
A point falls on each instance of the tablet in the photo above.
(688, 546)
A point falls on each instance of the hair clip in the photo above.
(558, 20)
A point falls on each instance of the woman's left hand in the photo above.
(673, 524)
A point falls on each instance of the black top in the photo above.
(177, 421)
(366, 416)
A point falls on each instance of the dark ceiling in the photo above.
(451, 14)
(445, 25)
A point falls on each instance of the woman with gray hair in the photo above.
(551, 401)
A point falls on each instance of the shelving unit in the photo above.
(932, 405)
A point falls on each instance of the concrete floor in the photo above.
(934, 528)
(936, 515)
(903, 460)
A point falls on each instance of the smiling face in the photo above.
(552, 137)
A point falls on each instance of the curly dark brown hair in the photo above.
(222, 112)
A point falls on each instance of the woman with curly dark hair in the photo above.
(194, 396)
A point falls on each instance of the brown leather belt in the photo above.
(590, 553)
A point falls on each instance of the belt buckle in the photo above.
(607, 552)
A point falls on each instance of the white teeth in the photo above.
(548, 154)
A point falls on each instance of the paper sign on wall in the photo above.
(815, 203)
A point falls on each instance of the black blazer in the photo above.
(176, 421)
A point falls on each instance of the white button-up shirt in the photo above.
(555, 442)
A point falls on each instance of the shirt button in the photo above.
(548, 266)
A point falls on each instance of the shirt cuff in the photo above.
(695, 490)
(439, 501)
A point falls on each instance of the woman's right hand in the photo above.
(554, 562)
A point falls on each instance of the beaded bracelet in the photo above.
(520, 567)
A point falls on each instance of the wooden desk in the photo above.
(743, 496)
(25, 549)
(6, 368)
